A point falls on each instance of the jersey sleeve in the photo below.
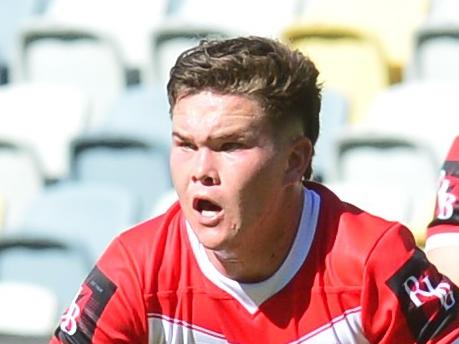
(404, 298)
(444, 228)
(109, 306)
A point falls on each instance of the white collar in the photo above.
(252, 295)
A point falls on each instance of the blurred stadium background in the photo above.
(84, 124)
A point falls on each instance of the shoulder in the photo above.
(348, 222)
(349, 238)
(147, 246)
(154, 231)
(148, 250)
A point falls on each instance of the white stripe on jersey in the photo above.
(162, 329)
(441, 240)
(344, 329)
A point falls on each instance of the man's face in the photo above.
(227, 168)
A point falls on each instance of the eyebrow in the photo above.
(178, 135)
(223, 137)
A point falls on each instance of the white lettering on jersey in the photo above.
(68, 319)
(442, 291)
(445, 200)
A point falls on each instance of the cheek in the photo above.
(177, 163)
(255, 178)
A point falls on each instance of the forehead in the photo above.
(216, 101)
(210, 109)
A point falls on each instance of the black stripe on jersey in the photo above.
(94, 295)
(428, 300)
(451, 168)
(453, 220)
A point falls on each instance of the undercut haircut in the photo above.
(282, 80)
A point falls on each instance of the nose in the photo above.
(205, 171)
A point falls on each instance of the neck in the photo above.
(257, 259)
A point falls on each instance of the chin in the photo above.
(211, 238)
(211, 242)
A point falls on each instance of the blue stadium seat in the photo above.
(89, 214)
(138, 165)
(390, 175)
(171, 38)
(334, 119)
(255, 17)
(56, 265)
(44, 117)
(13, 14)
(71, 55)
(21, 179)
(421, 110)
(435, 53)
(127, 22)
(17, 299)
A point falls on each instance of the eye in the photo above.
(231, 146)
(185, 144)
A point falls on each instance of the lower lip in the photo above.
(210, 221)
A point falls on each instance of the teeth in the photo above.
(209, 213)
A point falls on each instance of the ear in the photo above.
(299, 159)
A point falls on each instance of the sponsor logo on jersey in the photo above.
(447, 205)
(421, 291)
(428, 299)
(79, 320)
(445, 199)
(70, 316)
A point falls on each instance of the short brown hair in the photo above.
(283, 80)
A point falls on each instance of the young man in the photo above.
(253, 253)
(442, 244)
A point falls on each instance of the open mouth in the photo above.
(206, 207)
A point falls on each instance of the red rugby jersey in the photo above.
(350, 278)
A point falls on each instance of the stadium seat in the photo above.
(387, 201)
(393, 176)
(349, 61)
(443, 12)
(382, 158)
(2, 213)
(423, 111)
(58, 266)
(334, 119)
(169, 39)
(127, 22)
(136, 164)
(141, 112)
(44, 117)
(13, 13)
(392, 22)
(28, 314)
(21, 179)
(69, 55)
(436, 52)
(85, 213)
(164, 202)
(247, 17)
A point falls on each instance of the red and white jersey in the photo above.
(350, 277)
(444, 228)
